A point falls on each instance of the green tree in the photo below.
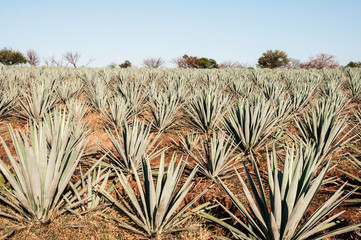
(10, 57)
(125, 64)
(273, 59)
(195, 62)
(354, 64)
(207, 63)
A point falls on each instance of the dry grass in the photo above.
(99, 225)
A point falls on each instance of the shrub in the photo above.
(10, 57)
(354, 64)
(195, 62)
(125, 64)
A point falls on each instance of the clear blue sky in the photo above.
(112, 31)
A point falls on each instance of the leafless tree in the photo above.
(46, 61)
(112, 65)
(186, 62)
(153, 62)
(52, 61)
(90, 61)
(33, 57)
(230, 64)
(322, 60)
(72, 58)
(294, 63)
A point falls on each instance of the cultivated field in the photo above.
(179, 154)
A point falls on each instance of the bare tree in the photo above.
(153, 62)
(46, 61)
(186, 62)
(230, 64)
(294, 63)
(33, 57)
(322, 60)
(72, 58)
(112, 65)
(90, 61)
(52, 61)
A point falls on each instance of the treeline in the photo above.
(269, 59)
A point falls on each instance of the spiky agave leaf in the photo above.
(78, 108)
(300, 96)
(331, 87)
(87, 188)
(61, 124)
(323, 126)
(117, 111)
(241, 89)
(67, 90)
(157, 211)
(354, 157)
(40, 101)
(354, 83)
(132, 144)
(164, 111)
(206, 110)
(188, 141)
(283, 109)
(40, 172)
(250, 123)
(98, 93)
(178, 87)
(217, 157)
(290, 192)
(6, 103)
(273, 91)
(133, 94)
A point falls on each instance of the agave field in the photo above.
(180, 153)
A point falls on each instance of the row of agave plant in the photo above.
(222, 119)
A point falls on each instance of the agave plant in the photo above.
(217, 158)
(178, 87)
(88, 188)
(133, 95)
(323, 126)
(164, 111)
(250, 123)
(6, 103)
(331, 87)
(290, 194)
(354, 157)
(354, 84)
(40, 101)
(206, 110)
(283, 109)
(158, 210)
(241, 89)
(40, 172)
(98, 92)
(60, 125)
(67, 90)
(117, 111)
(132, 144)
(188, 141)
(273, 91)
(78, 108)
(300, 96)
